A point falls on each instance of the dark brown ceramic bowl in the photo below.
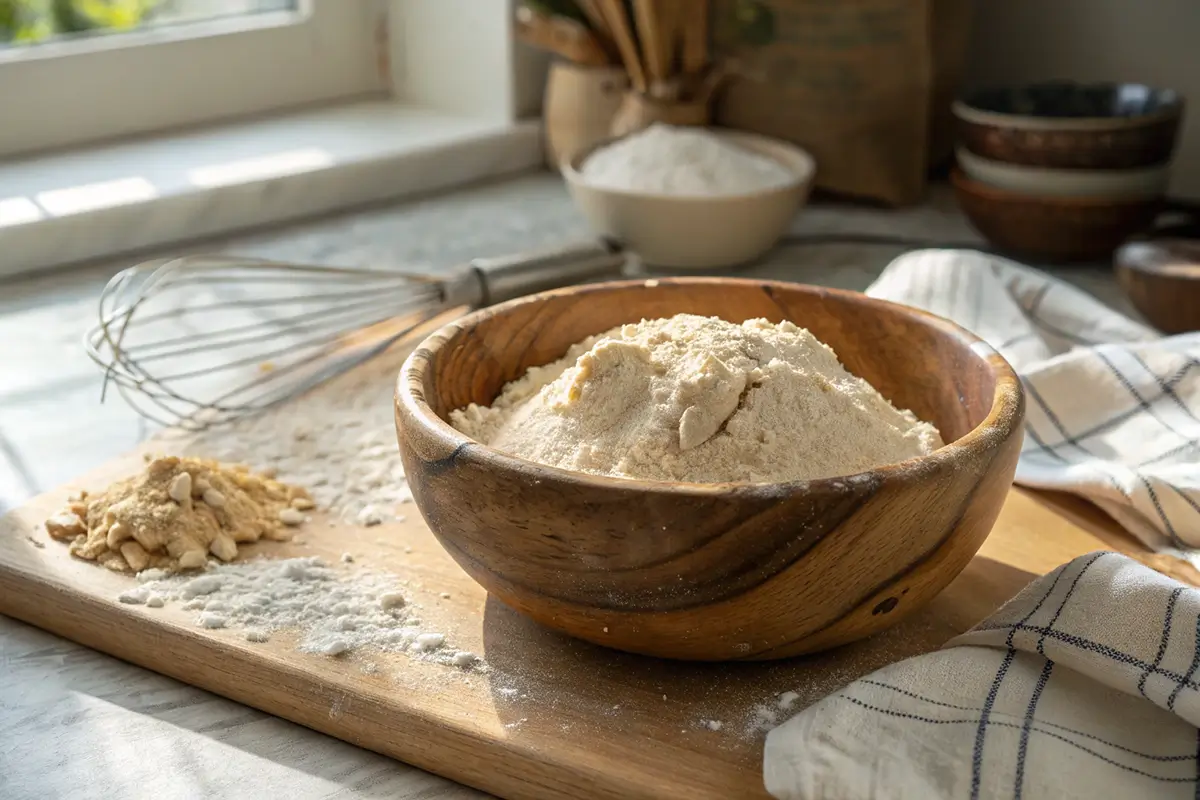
(713, 571)
(1162, 279)
(1053, 229)
(1069, 125)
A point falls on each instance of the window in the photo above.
(78, 71)
(195, 118)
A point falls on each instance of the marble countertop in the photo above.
(78, 724)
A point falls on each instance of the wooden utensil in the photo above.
(560, 35)
(1162, 279)
(654, 37)
(600, 27)
(695, 36)
(713, 572)
(595, 17)
(559, 9)
(618, 22)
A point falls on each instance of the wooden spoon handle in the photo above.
(566, 38)
(595, 18)
(695, 36)
(653, 33)
(618, 23)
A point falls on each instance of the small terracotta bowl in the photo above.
(713, 571)
(1053, 229)
(1162, 279)
(1071, 125)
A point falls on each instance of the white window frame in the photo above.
(458, 104)
(69, 92)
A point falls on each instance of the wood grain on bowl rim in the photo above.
(566, 547)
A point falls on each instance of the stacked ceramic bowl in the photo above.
(1064, 171)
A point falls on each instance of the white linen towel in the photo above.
(1085, 685)
(1112, 407)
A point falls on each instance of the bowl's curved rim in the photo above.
(1159, 268)
(1005, 416)
(960, 180)
(571, 166)
(971, 160)
(966, 111)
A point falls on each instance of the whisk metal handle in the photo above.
(488, 281)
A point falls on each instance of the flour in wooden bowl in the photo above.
(697, 399)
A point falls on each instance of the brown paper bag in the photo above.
(951, 31)
(865, 85)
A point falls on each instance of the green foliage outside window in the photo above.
(31, 21)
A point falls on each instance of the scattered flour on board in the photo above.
(699, 399)
(337, 441)
(677, 160)
(334, 611)
(828, 673)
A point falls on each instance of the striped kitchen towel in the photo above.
(1085, 685)
(1113, 407)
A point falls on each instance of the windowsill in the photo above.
(107, 201)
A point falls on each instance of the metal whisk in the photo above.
(198, 341)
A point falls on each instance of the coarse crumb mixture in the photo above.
(175, 513)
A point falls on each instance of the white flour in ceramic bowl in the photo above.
(676, 160)
(691, 198)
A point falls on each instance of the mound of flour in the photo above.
(334, 611)
(701, 400)
(665, 159)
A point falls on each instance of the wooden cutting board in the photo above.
(552, 717)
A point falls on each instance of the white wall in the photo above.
(1146, 41)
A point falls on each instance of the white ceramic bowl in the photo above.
(1048, 182)
(697, 232)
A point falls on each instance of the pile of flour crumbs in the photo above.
(701, 400)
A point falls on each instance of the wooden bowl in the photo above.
(1070, 125)
(1053, 229)
(713, 571)
(1162, 279)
